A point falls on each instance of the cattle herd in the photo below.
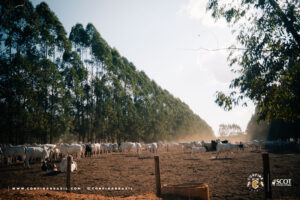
(57, 152)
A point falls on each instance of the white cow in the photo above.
(93, 149)
(63, 148)
(34, 153)
(174, 145)
(63, 165)
(97, 148)
(161, 145)
(187, 145)
(197, 144)
(82, 149)
(138, 147)
(55, 153)
(74, 149)
(227, 148)
(198, 149)
(13, 152)
(127, 146)
(152, 147)
(105, 148)
(50, 146)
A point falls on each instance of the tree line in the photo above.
(227, 130)
(53, 86)
(276, 129)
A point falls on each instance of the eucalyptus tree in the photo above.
(101, 60)
(267, 58)
(29, 37)
(52, 44)
(74, 75)
(15, 26)
(102, 95)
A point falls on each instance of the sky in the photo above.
(164, 39)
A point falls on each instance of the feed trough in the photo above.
(189, 190)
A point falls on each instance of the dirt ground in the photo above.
(54, 195)
(226, 177)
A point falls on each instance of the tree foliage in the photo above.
(53, 86)
(269, 64)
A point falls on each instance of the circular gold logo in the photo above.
(255, 182)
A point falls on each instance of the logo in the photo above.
(255, 182)
(282, 182)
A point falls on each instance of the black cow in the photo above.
(88, 150)
(212, 146)
(241, 146)
(48, 165)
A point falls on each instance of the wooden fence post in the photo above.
(69, 159)
(267, 181)
(157, 175)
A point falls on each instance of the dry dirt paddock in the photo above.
(226, 177)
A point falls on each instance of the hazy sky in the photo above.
(162, 38)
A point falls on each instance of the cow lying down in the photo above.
(63, 165)
(48, 165)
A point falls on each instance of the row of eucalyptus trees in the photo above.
(53, 85)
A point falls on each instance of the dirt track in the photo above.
(227, 177)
